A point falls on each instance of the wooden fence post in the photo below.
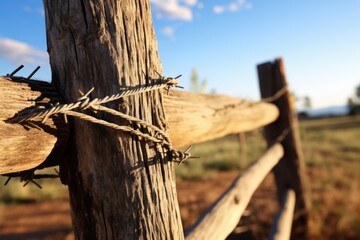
(118, 187)
(290, 171)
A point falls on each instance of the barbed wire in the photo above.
(156, 135)
(84, 102)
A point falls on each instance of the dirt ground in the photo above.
(45, 221)
(51, 220)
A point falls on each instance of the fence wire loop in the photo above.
(277, 95)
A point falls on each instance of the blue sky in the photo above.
(224, 41)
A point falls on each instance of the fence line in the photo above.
(289, 170)
(194, 118)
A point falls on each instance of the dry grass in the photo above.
(331, 150)
(14, 192)
(222, 154)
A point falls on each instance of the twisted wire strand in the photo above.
(84, 102)
(134, 119)
(277, 95)
(117, 127)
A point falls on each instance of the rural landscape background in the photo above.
(222, 41)
(331, 150)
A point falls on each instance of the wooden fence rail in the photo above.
(26, 147)
(195, 118)
(192, 118)
(223, 216)
(281, 228)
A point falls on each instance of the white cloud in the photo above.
(190, 2)
(218, 9)
(21, 53)
(169, 32)
(173, 9)
(234, 6)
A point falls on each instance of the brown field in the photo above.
(331, 149)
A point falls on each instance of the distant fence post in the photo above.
(290, 171)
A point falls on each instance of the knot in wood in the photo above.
(236, 199)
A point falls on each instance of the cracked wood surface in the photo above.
(115, 190)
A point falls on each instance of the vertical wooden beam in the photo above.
(119, 186)
(290, 171)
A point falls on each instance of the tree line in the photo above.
(354, 102)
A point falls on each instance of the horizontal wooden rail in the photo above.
(195, 118)
(192, 118)
(223, 216)
(281, 228)
(26, 147)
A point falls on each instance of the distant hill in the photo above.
(330, 111)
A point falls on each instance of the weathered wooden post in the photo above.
(115, 193)
(290, 171)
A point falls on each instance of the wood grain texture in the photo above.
(195, 118)
(223, 216)
(23, 147)
(117, 191)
